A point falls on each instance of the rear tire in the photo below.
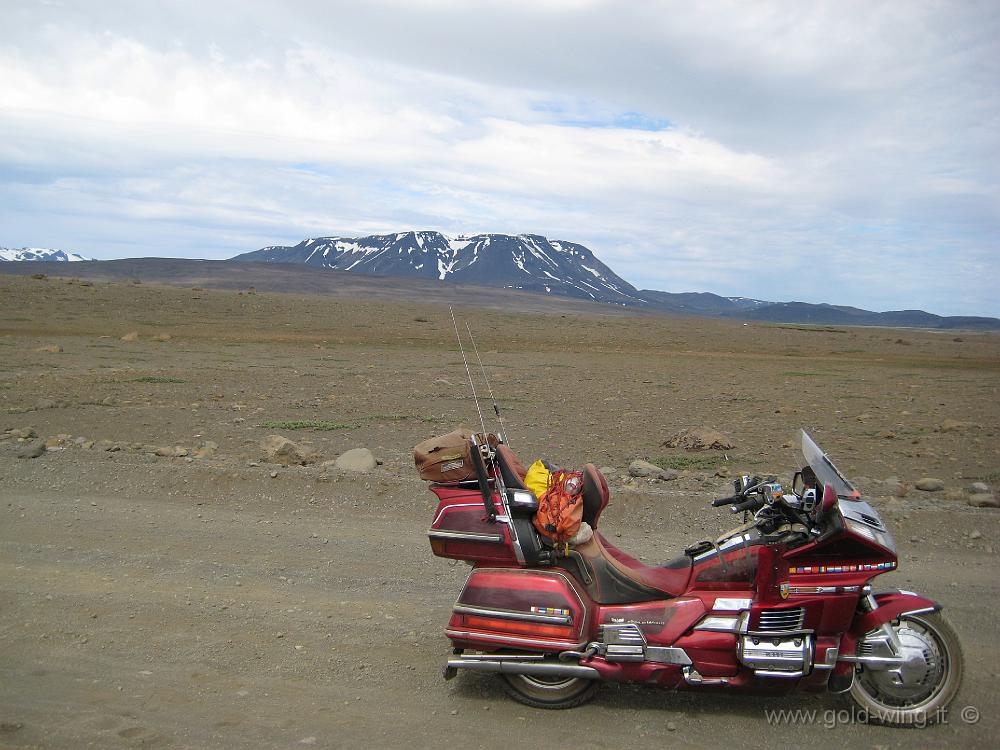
(927, 687)
(549, 692)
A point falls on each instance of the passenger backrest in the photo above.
(511, 469)
(595, 494)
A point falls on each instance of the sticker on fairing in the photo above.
(549, 611)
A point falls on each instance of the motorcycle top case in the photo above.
(521, 609)
(461, 530)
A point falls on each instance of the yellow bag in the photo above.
(537, 478)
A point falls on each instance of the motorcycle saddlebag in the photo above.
(531, 610)
(446, 458)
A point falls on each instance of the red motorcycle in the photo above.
(783, 602)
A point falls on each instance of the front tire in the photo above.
(549, 692)
(919, 692)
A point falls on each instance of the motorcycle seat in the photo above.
(671, 578)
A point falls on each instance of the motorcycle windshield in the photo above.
(826, 471)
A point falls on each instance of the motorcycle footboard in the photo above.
(524, 610)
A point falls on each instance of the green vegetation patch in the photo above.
(305, 424)
(701, 462)
(156, 379)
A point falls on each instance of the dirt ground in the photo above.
(214, 600)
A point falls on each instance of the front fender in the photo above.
(891, 604)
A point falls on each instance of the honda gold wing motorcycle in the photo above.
(782, 602)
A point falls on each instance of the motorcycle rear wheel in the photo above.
(926, 690)
(549, 692)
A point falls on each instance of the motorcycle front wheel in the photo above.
(918, 693)
(549, 692)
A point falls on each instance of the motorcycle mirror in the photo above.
(826, 504)
(798, 483)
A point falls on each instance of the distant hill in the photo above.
(16, 255)
(803, 312)
(528, 262)
(699, 303)
(481, 269)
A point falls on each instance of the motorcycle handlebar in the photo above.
(745, 505)
(725, 501)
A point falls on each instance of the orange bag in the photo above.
(560, 508)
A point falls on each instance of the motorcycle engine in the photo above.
(777, 656)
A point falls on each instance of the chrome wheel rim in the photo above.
(921, 677)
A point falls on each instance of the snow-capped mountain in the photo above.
(37, 253)
(525, 261)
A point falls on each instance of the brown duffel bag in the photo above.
(447, 458)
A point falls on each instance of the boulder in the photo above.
(356, 459)
(50, 349)
(983, 500)
(57, 442)
(895, 488)
(640, 468)
(700, 439)
(131, 336)
(162, 337)
(978, 488)
(206, 449)
(32, 450)
(930, 484)
(170, 451)
(952, 425)
(280, 450)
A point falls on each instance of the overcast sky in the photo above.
(842, 152)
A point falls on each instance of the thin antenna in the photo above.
(467, 370)
(496, 408)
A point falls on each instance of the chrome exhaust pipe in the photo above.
(512, 666)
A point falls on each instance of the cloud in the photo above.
(837, 152)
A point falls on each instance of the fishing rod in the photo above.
(468, 371)
(496, 407)
(489, 455)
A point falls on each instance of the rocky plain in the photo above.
(213, 536)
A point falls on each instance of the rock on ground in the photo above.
(640, 468)
(699, 439)
(24, 433)
(280, 450)
(930, 484)
(131, 336)
(32, 450)
(895, 488)
(170, 451)
(952, 425)
(356, 459)
(983, 500)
